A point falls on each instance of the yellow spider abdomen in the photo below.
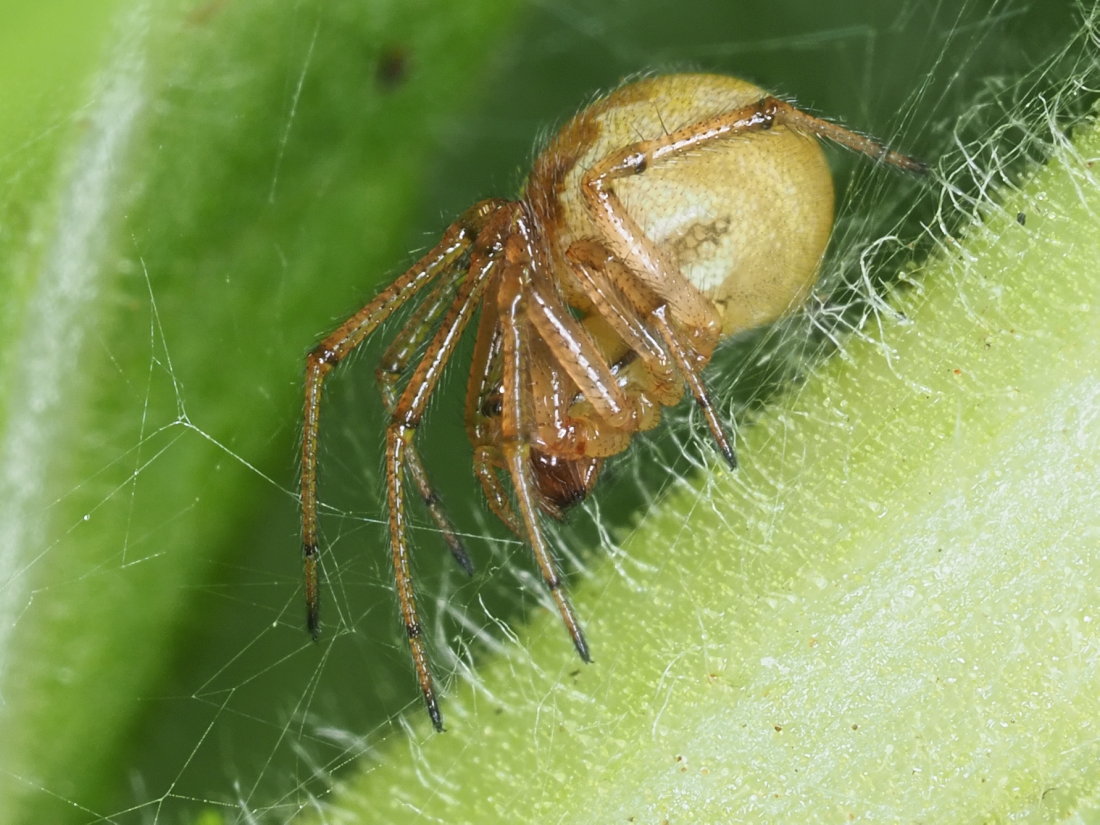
(745, 219)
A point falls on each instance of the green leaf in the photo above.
(181, 240)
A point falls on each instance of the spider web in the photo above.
(191, 480)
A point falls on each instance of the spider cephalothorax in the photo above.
(673, 212)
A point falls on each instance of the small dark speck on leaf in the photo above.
(393, 68)
(1021, 218)
(206, 12)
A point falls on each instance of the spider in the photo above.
(673, 212)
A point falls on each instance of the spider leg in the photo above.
(690, 372)
(623, 235)
(782, 112)
(516, 445)
(680, 306)
(621, 303)
(485, 468)
(393, 365)
(483, 414)
(401, 431)
(593, 273)
(577, 354)
(342, 341)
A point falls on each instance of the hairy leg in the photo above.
(391, 369)
(440, 260)
(405, 419)
(516, 445)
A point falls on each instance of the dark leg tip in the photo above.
(918, 166)
(433, 712)
(313, 609)
(458, 550)
(582, 648)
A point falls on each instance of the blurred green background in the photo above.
(191, 194)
